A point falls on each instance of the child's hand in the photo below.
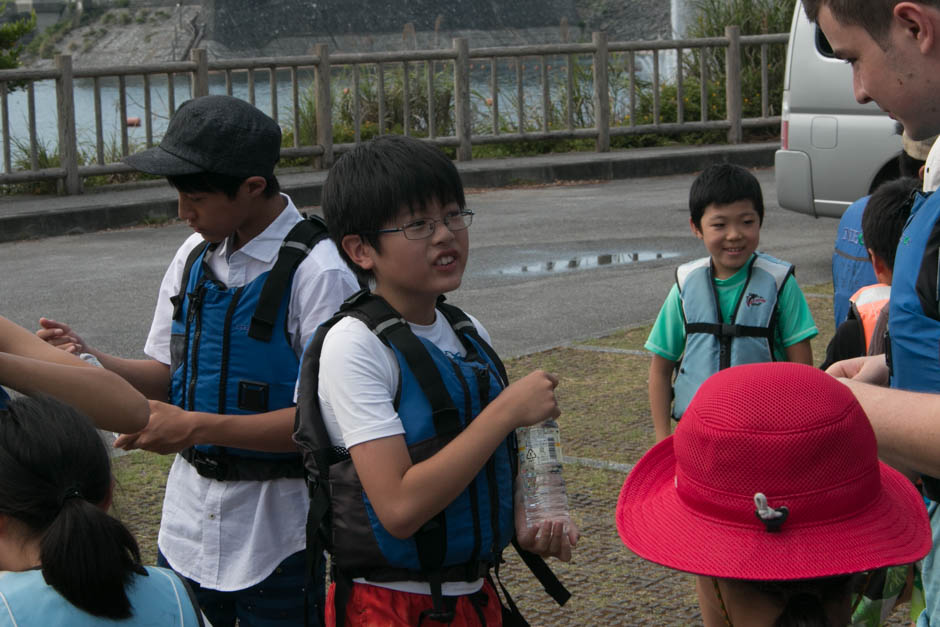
(60, 335)
(550, 539)
(531, 400)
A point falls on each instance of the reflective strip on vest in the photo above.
(756, 307)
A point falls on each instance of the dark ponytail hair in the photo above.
(54, 473)
(806, 602)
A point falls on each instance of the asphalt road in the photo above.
(548, 266)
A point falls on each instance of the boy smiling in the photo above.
(735, 306)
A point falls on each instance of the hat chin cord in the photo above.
(772, 517)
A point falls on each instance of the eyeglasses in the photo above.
(424, 228)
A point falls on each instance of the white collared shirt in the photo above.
(230, 535)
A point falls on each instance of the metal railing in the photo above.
(447, 95)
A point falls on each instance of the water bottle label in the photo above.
(544, 450)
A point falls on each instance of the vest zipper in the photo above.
(194, 310)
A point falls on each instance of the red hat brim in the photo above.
(656, 525)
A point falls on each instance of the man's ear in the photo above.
(697, 232)
(920, 22)
(360, 251)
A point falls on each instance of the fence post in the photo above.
(733, 103)
(324, 107)
(462, 98)
(200, 79)
(601, 93)
(65, 106)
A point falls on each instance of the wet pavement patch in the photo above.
(587, 261)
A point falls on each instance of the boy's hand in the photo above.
(168, 431)
(550, 539)
(62, 336)
(531, 400)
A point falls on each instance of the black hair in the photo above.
(723, 184)
(210, 182)
(805, 601)
(885, 215)
(368, 186)
(54, 473)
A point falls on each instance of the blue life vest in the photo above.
(4, 397)
(713, 344)
(914, 319)
(159, 599)
(230, 353)
(851, 267)
(439, 395)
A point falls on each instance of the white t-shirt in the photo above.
(230, 535)
(357, 386)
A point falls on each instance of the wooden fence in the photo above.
(458, 100)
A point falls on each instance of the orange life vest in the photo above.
(867, 305)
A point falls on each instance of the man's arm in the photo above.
(660, 391)
(31, 366)
(906, 424)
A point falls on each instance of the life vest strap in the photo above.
(296, 246)
(725, 330)
(222, 467)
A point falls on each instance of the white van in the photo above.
(833, 150)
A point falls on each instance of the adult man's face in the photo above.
(896, 75)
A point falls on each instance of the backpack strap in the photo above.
(464, 327)
(296, 246)
(393, 330)
(194, 254)
(315, 441)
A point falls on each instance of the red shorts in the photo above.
(373, 605)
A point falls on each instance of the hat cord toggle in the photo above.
(772, 517)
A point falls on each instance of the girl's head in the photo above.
(55, 488)
(772, 475)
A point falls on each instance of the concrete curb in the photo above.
(30, 217)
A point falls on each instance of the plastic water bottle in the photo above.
(540, 476)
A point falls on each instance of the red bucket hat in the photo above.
(772, 474)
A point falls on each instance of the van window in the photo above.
(823, 45)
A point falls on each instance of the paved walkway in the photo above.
(25, 217)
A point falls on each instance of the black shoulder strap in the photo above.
(318, 452)
(296, 246)
(187, 270)
(462, 325)
(392, 329)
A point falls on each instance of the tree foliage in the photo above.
(11, 36)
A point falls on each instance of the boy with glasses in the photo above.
(404, 411)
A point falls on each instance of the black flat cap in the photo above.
(218, 134)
